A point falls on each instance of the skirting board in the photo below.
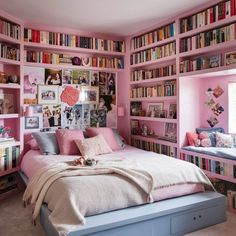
(175, 216)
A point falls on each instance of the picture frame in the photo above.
(230, 58)
(154, 109)
(89, 95)
(171, 131)
(172, 114)
(7, 103)
(48, 94)
(31, 122)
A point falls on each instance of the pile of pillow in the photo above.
(211, 137)
(73, 142)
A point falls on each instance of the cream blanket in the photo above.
(73, 192)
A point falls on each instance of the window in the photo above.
(232, 107)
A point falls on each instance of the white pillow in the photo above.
(91, 147)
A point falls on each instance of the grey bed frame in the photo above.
(176, 216)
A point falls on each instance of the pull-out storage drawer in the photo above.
(192, 220)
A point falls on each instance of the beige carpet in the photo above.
(16, 221)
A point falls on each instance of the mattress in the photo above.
(33, 161)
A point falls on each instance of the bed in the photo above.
(177, 210)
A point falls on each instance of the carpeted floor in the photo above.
(16, 221)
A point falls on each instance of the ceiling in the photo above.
(118, 17)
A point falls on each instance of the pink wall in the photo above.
(206, 83)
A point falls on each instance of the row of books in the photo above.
(139, 75)
(10, 29)
(9, 157)
(157, 35)
(209, 38)
(213, 14)
(9, 52)
(231, 200)
(216, 167)
(154, 147)
(153, 53)
(69, 40)
(55, 58)
(200, 63)
(166, 89)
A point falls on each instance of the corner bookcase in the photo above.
(11, 91)
(195, 44)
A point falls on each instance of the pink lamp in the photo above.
(121, 111)
(29, 111)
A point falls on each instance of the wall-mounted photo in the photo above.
(94, 80)
(111, 83)
(172, 111)
(102, 83)
(67, 76)
(89, 95)
(48, 94)
(230, 58)
(80, 77)
(98, 118)
(53, 77)
(51, 115)
(32, 122)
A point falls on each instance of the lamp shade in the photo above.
(121, 111)
(29, 111)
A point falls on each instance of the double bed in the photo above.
(177, 209)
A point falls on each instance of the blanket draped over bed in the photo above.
(73, 192)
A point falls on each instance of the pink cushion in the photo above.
(65, 139)
(108, 135)
(33, 144)
(192, 137)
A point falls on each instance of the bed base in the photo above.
(177, 216)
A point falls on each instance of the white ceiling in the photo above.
(119, 17)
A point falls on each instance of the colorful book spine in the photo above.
(10, 29)
(75, 41)
(9, 157)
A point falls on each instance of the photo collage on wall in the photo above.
(213, 105)
(69, 98)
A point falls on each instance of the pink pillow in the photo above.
(108, 135)
(192, 137)
(65, 139)
(33, 144)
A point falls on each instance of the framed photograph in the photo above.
(172, 111)
(51, 116)
(89, 95)
(171, 131)
(80, 77)
(48, 94)
(154, 109)
(32, 77)
(230, 58)
(53, 77)
(32, 122)
(6, 103)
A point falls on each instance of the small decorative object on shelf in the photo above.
(135, 108)
(5, 132)
(230, 58)
(3, 78)
(13, 79)
(144, 130)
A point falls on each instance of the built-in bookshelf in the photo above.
(197, 50)
(10, 93)
(72, 40)
(63, 59)
(214, 167)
